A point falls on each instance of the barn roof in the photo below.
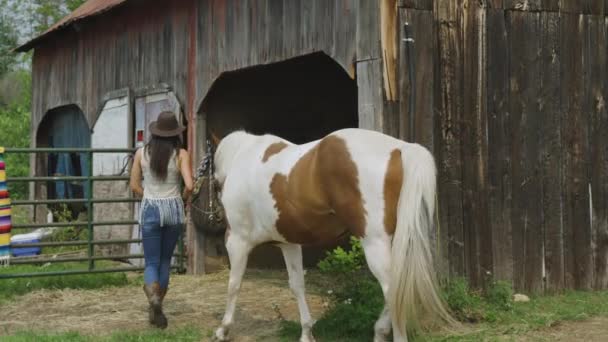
(88, 9)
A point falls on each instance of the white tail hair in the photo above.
(413, 290)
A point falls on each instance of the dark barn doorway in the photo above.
(64, 127)
(300, 99)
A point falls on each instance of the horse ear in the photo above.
(214, 138)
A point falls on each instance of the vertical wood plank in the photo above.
(345, 14)
(478, 257)
(577, 232)
(525, 125)
(274, 12)
(595, 104)
(426, 5)
(495, 4)
(368, 30)
(449, 106)
(582, 6)
(326, 27)
(306, 24)
(423, 52)
(599, 156)
(291, 26)
(499, 158)
(369, 82)
(551, 161)
(527, 5)
(599, 160)
(550, 5)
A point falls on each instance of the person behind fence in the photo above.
(163, 165)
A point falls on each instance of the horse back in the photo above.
(318, 199)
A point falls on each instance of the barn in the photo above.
(509, 96)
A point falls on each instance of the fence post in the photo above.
(90, 210)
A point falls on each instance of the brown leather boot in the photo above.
(155, 311)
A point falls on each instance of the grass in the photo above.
(19, 286)
(540, 312)
(488, 316)
(183, 335)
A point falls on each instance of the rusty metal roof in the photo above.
(88, 9)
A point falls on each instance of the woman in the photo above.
(163, 164)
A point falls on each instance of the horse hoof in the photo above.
(307, 338)
(220, 335)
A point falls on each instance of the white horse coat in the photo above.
(356, 181)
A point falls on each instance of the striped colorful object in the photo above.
(5, 215)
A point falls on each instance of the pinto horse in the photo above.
(356, 181)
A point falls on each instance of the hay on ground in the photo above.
(191, 301)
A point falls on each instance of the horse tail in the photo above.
(413, 290)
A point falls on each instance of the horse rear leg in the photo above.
(377, 248)
(238, 252)
(293, 261)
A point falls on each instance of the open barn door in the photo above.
(149, 104)
(113, 130)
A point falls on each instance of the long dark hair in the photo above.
(160, 149)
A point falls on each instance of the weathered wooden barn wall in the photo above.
(131, 46)
(187, 45)
(511, 98)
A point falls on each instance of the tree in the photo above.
(8, 41)
(47, 13)
(74, 4)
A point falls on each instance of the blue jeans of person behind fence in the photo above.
(159, 243)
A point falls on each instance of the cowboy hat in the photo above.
(166, 125)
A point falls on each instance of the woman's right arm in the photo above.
(136, 175)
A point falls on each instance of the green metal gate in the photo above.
(90, 200)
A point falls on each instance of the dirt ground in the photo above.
(591, 330)
(191, 301)
(199, 301)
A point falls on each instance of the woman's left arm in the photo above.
(186, 171)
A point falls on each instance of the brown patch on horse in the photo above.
(320, 200)
(272, 150)
(392, 188)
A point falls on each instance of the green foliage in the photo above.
(356, 298)
(19, 286)
(354, 311)
(14, 132)
(47, 13)
(340, 261)
(465, 304)
(468, 305)
(65, 234)
(74, 4)
(8, 41)
(500, 295)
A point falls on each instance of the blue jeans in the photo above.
(159, 243)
